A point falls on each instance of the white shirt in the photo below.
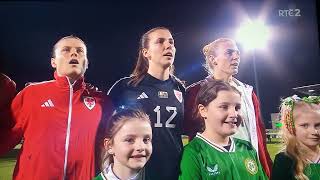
(108, 174)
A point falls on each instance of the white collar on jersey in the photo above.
(108, 174)
(317, 161)
(217, 146)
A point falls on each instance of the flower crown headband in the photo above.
(287, 106)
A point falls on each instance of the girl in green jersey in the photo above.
(213, 153)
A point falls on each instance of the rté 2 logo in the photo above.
(289, 12)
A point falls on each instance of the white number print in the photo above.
(167, 124)
(158, 123)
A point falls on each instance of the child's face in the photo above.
(222, 113)
(307, 124)
(132, 145)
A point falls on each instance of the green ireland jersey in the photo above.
(203, 159)
(99, 177)
(284, 168)
(313, 171)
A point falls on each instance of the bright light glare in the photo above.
(253, 35)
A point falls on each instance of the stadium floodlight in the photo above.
(253, 34)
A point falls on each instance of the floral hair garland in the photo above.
(287, 106)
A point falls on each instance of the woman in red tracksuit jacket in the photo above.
(58, 120)
(222, 61)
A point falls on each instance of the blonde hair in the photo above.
(289, 111)
(114, 124)
(210, 50)
(53, 52)
(55, 46)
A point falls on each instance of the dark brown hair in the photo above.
(208, 92)
(142, 64)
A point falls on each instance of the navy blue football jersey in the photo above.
(163, 101)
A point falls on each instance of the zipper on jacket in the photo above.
(68, 129)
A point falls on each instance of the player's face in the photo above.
(132, 145)
(161, 50)
(227, 59)
(307, 125)
(222, 114)
(70, 58)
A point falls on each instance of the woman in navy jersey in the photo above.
(153, 87)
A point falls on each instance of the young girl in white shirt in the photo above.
(127, 145)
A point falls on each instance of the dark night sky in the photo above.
(112, 30)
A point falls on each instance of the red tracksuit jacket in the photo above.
(58, 123)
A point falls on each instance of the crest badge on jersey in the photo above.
(178, 95)
(162, 94)
(90, 102)
(251, 166)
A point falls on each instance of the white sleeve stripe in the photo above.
(115, 84)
